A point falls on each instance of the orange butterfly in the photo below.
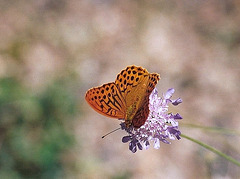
(127, 98)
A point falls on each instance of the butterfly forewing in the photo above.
(153, 80)
(129, 79)
(107, 100)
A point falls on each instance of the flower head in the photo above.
(160, 125)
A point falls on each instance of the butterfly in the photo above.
(127, 98)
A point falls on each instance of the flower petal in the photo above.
(177, 116)
(177, 101)
(146, 145)
(132, 147)
(169, 93)
(156, 143)
(126, 139)
(139, 146)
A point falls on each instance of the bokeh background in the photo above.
(53, 51)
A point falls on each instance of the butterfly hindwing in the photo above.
(142, 113)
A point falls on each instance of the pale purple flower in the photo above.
(160, 125)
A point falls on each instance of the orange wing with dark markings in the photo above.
(130, 78)
(106, 100)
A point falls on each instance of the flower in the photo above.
(160, 125)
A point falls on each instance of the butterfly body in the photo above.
(127, 98)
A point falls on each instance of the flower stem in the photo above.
(213, 150)
(212, 129)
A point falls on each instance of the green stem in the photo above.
(213, 129)
(213, 150)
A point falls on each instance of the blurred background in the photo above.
(53, 51)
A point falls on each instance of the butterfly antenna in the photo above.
(111, 132)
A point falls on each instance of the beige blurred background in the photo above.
(194, 45)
